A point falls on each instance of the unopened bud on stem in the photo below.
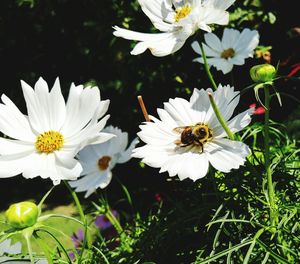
(263, 73)
(22, 215)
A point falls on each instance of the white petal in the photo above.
(57, 107)
(126, 155)
(91, 182)
(151, 155)
(219, 4)
(227, 100)
(158, 12)
(213, 42)
(180, 110)
(102, 108)
(196, 47)
(211, 15)
(91, 130)
(12, 165)
(13, 123)
(81, 107)
(200, 102)
(230, 37)
(247, 41)
(169, 44)
(8, 146)
(225, 155)
(187, 165)
(221, 64)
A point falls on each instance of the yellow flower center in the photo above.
(182, 12)
(228, 53)
(49, 142)
(104, 162)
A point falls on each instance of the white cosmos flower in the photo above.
(98, 161)
(172, 147)
(178, 20)
(232, 49)
(45, 142)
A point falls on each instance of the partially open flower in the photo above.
(22, 215)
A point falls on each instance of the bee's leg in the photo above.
(201, 146)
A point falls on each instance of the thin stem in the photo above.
(28, 242)
(110, 216)
(220, 117)
(271, 194)
(77, 202)
(143, 107)
(114, 221)
(206, 67)
(82, 217)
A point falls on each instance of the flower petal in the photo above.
(187, 165)
(159, 12)
(225, 155)
(230, 37)
(81, 106)
(13, 123)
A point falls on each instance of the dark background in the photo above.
(73, 40)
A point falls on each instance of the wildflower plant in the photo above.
(234, 195)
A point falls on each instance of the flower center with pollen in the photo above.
(49, 141)
(103, 163)
(228, 53)
(182, 12)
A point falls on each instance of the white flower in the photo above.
(6, 247)
(178, 20)
(45, 142)
(233, 49)
(98, 161)
(188, 135)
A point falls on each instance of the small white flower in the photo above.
(45, 142)
(178, 20)
(6, 247)
(98, 161)
(233, 49)
(188, 135)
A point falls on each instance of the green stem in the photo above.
(271, 194)
(206, 67)
(114, 221)
(82, 217)
(110, 216)
(220, 117)
(28, 242)
(77, 202)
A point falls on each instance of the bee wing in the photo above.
(180, 129)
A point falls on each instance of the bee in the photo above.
(197, 134)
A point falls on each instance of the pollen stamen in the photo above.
(182, 12)
(103, 162)
(228, 53)
(49, 141)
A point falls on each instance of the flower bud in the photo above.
(262, 73)
(21, 215)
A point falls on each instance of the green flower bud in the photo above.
(262, 73)
(21, 215)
